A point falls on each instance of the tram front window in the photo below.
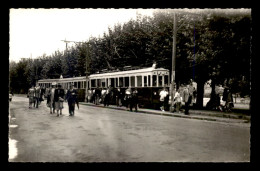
(154, 81)
(166, 79)
(160, 81)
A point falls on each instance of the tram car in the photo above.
(148, 82)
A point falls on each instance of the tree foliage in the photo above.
(210, 45)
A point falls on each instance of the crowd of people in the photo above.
(183, 98)
(110, 95)
(56, 96)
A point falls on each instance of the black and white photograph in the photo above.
(105, 85)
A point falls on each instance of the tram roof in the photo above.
(128, 72)
(108, 74)
(64, 79)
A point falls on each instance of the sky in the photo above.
(33, 32)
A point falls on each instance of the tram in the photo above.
(148, 82)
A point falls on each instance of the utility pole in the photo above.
(174, 36)
(67, 41)
(87, 72)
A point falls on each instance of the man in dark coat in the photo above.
(59, 99)
(97, 95)
(134, 101)
(108, 96)
(119, 96)
(72, 99)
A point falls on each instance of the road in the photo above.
(108, 135)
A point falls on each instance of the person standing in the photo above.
(186, 99)
(163, 95)
(119, 97)
(59, 99)
(42, 94)
(229, 101)
(177, 100)
(134, 100)
(97, 95)
(31, 94)
(89, 95)
(71, 97)
(107, 97)
(128, 97)
(166, 100)
(50, 98)
(37, 96)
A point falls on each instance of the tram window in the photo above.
(149, 80)
(145, 81)
(93, 83)
(166, 80)
(117, 82)
(120, 81)
(103, 83)
(160, 81)
(126, 81)
(154, 80)
(112, 82)
(99, 83)
(139, 81)
(133, 81)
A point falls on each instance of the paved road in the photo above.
(108, 135)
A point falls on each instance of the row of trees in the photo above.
(210, 45)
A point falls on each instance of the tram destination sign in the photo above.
(160, 73)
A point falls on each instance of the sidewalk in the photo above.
(194, 114)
